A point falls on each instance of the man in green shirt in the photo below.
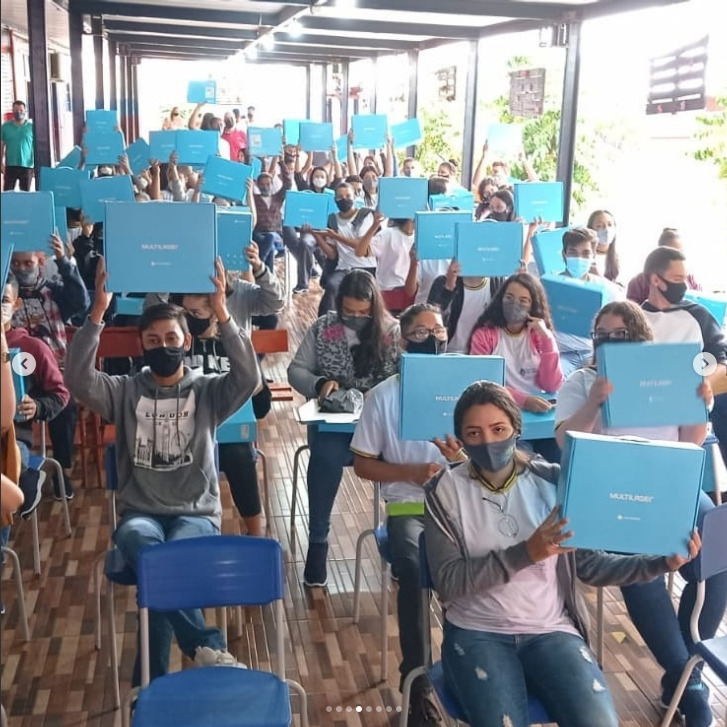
(16, 149)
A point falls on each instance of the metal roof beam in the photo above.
(314, 41)
(127, 26)
(230, 45)
(320, 53)
(394, 27)
(499, 8)
(200, 51)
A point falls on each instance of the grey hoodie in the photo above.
(165, 436)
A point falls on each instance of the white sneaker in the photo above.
(205, 656)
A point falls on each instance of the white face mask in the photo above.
(7, 312)
(606, 235)
(319, 182)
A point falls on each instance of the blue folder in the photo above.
(407, 133)
(548, 251)
(342, 148)
(460, 199)
(169, 247)
(316, 136)
(539, 200)
(431, 386)
(654, 384)
(28, 220)
(62, 224)
(195, 147)
(505, 139)
(162, 144)
(103, 147)
(6, 256)
(264, 142)
(436, 234)
(240, 427)
(102, 121)
(223, 178)
(72, 159)
(129, 306)
(202, 92)
(18, 382)
(489, 248)
(402, 197)
(291, 130)
(234, 232)
(96, 192)
(257, 167)
(307, 208)
(369, 131)
(716, 306)
(574, 303)
(629, 496)
(138, 155)
(64, 183)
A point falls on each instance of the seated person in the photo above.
(268, 231)
(649, 604)
(166, 417)
(500, 562)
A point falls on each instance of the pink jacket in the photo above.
(549, 376)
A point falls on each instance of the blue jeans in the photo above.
(666, 633)
(266, 242)
(301, 252)
(571, 361)
(330, 452)
(137, 530)
(492, 674)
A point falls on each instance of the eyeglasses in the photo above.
(620, 334)
(420, 334)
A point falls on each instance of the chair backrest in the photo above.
(713, 558)
(115, 342)
(275, 341)
(210, 571)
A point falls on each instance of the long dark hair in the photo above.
(613, 266)
(635, 322)
(361, 285)
(506, 196)
(368, 199)
(310, 180)
(493, 317)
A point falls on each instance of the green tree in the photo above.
(441, 141)
(712, 138)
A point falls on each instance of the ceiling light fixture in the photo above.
(295, 29)
(251, 53)
(346, 4)
(268, 41)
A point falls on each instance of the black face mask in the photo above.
(431, 345)
(164, 360)
(674, 292)
(344, 205)
(197, 326)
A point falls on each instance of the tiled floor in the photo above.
(59, 679)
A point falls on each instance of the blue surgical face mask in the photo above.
(578, 267)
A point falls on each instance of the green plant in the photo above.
(712, 138)
(441, 141)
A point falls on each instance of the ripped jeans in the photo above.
(492, 674)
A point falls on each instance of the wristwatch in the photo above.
(5, 357)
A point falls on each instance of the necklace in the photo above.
(507, 525)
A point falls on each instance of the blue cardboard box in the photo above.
(257, 167)
(402, 197)
(306, 208)
(6, 257)
(162, 144)
(62, 224)
(505, 140)
(72, 159)
(194, 147)
(28, 220)
(460, 199)
(102, 121)
(96, 192)
(240, 427)
(436, 234)
(315, 136)
(538, 426)
(223, 178)
(539, 200)
(548, 251)
(489, 248)
(407, 133)
(129, 306)
(202, 92)
(291, 130)
(716, 306)
(169, 247)
(629, 496)
(64, 183)
(369, 131)
(573, 303)
(654, 384)
(138, 155)
(264, 142)
(103, 147)
(431, 386)
(234, 232)
(18, 383)
(342, 148)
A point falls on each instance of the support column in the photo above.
(113, 87)
(135, 97)
(124, 95)
(97, 30)
(373, 96)
(470, 111)
(39, 74)
(75, 38)
(129, 100)
(569, 115)
(413, 98)
(307, 90)
(344, 97)
(324, 92)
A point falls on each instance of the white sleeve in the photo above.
(379, 242)
(368, 436)
(572, 395)
(365, 225)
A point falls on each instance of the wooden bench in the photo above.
(275, 341)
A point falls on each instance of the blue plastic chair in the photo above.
(447, 701)
(713, 561)
(214, 571)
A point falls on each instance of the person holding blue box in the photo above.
(667, 634)
(166, 416)
(354, 346)
(498, 552)
(403, 468)
(268, 230)
(606, 263)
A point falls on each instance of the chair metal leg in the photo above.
(18, 575)
(36, 541)
(599, 627)
(3, 717)
(385, 571)
(97, 574)
(357, 575)
(296, 687)
(58, 474)
(681, 686)
(113, 650)
(406, 693)
(266, 492)
(294, 494)
(222, 618)
(126, 708)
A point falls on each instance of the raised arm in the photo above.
(389, 157)
(195, 120)
(352, 166)
(479, 174)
